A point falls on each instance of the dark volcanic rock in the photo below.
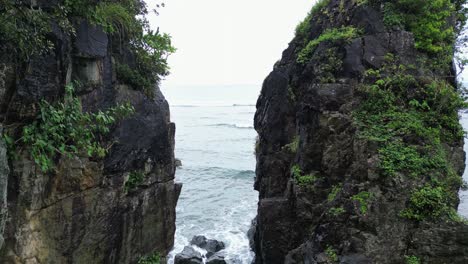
(90, 41)
(251, 233)
(217, 258)
(210, 245)
(188, 256)
(294, 223)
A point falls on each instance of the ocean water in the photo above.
(215, 141)
(463, 207)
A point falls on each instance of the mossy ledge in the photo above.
(365, 100)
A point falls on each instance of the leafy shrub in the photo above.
(23, 30)
(306, 180)
(427, 20)
(303, 29)
(296, 171)
(330, 64)
(335, 190)
(63, 129)
(135, 178)
(133, 78)
(113, 17)
(331, 254)
(153, 259)
(302, 180)
(152, 50)
(429, 202)
(363, 199)
(336, 211)
(343, 34)
(412, 260)
(293, 146)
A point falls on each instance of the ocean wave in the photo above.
(238, 126)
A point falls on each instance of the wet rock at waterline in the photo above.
(210, 245)
(251, 233)
(217, 258)
(188, 256)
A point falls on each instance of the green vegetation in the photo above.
(427, 20)
(304, 181)
(410, 117)
(412, 260)
(336, 211)
(363, 199)
(293, 146)
(135, 178)
(429, 202)
(63, 128)
(113, 17)
(153, 259)
(296, 171)
(330, 64)
(291, 95)
(331, 254)
(334, 35)
(335, 190)
(303, 29)
(23, 31)
(152, 50)
(133, 78)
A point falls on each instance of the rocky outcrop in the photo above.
(210, 245)
(324, 194)
(82, 212)
(188, 256)
(210, 252)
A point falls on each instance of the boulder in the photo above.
(210, 245)
(188, 256)
(217, 258)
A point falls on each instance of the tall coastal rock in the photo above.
(360, 152)
(113, 209)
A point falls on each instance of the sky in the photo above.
(226, 42)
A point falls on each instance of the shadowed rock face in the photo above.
(293, 223)
(81, 213)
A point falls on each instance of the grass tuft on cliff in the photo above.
(333, 35)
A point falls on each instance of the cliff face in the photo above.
(354, 164)
(82, 212)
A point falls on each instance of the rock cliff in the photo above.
(360, 153)
(84, 211)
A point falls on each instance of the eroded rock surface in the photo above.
(82, 212)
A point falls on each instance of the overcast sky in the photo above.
(226, 42)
